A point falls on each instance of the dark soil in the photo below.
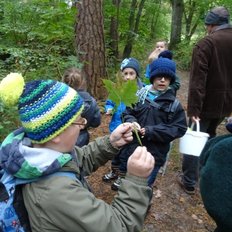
(172, 209)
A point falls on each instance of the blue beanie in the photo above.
(217, 16)
(163, 67)
(131, 63)
(166, 54)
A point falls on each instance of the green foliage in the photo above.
(37, 38)
(121, 91)
(8, 120)
(152, 14)
(183, 55)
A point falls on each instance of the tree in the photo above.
(114, 30)
(133, 26)
(176, 25)
(90, 45)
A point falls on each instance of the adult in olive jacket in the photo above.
(210, 86)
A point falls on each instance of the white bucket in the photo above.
(193, 142)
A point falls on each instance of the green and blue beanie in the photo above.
(46, 107)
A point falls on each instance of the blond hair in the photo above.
(155, 53)
(74, 78)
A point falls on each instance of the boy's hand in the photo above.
(140, 163)
(109, 111)
(121, 135)
(142, 131)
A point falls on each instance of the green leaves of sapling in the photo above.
(122, 91)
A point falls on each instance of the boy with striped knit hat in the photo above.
(50, 113)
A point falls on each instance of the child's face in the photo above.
(129, 74)
(160, 46)
(69, 136)
(161, 83)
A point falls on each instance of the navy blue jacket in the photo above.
(161, 126)
(92, 114)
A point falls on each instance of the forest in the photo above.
(40, 39)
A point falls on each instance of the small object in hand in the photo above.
(136, 126)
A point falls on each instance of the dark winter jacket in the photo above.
(92, 114)
(161, 126)
(210, 86)
(216, 181)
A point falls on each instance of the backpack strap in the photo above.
(172, 109)
(153, 103)
(174, 105)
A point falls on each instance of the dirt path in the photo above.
(172, 209)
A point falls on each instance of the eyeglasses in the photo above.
(161, 78)
(82, 122)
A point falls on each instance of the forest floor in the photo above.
(172, 209)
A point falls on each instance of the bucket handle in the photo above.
(198, 125)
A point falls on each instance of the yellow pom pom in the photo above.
(11, 88)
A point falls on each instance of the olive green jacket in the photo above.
(60, 203)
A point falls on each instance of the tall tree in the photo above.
(90, 44)
(176, 25)
(133, 26)
(114, 30)
(194, 11)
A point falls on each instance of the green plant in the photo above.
(123, 92)
(37, 38)
(8, 120)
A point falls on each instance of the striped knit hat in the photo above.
(46, 107)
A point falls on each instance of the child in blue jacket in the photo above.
(130, 70)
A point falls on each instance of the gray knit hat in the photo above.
(217, 16)
(131, 63)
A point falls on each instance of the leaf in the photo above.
(122, 91)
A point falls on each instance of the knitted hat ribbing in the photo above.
(163, 67)
(131, 63)
(46, 107)
(217, 16)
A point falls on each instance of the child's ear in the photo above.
(56, 140)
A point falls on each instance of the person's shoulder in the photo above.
(84, 94)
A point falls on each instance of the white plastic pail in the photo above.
(193, 142)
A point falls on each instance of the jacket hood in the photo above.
(21, 160)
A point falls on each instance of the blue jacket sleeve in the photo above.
(109, 105)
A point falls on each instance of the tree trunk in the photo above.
(130, 33)
(192, 15)
(113, 44)
(91, 45)
(177, 13)
(133, 26)
(154, 21)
